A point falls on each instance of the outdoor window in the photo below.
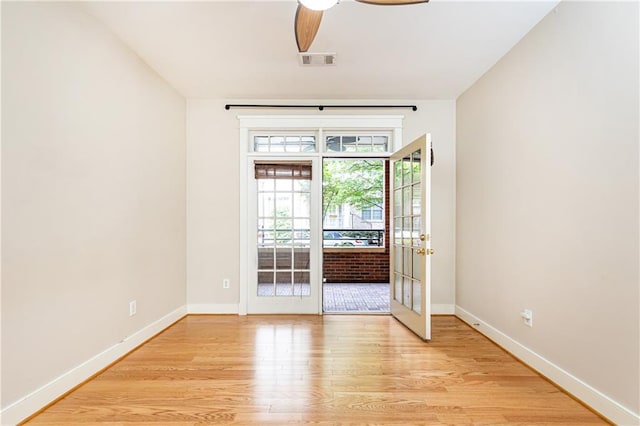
(374, 213)
(353, 202)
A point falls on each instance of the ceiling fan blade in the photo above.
(392, 2)
(306, 26)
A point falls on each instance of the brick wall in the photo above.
(360, 266)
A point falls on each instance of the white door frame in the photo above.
(316, 123)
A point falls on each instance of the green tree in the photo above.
(358, 183)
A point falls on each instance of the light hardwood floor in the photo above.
(331, 370)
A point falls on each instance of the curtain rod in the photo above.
(320, 107)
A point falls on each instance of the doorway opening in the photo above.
(355, 225)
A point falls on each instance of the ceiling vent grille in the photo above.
(316, 59)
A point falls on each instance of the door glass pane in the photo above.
(398, 288)
(283, 185)
(418, 229)
(283, 258)
(265, 204)
(406, 268)
(417, 297)
(301, 258)
(266, 184)
(406, 201)
(397, 233)
(417, 265)
(397, 202)
(406, 290)
(284, 284)
(265, 283)
(302, 185)
(300, 201)
(406, 170)
(265, 258)
(284, 206)
(397, 174)
(406, 231)
(397, 260)
(301, 284)
(416, 201)
(416, 166)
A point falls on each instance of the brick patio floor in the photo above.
(355, 298)
(339, 297)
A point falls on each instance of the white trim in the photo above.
(313, 122)
(244, 238)
(595, 399)
(36, 400)
(307, 122)
(213, 308)
(443, 309)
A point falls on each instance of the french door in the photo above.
(410, 236)
(285, 237)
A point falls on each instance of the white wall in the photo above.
(547, 198)
(213, 169)
(93, 195)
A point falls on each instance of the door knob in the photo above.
(420, 251)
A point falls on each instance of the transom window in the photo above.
(364, 143)
(284, 143)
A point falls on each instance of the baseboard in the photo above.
(590, 396)
(443, 309)
(232, 308)
(213, 308)
(36, 400)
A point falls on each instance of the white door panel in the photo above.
(410, 236)
(283, 236)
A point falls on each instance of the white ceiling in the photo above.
(247, 49)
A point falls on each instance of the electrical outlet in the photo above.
(132, 308)
(527, 317)
(226, 283)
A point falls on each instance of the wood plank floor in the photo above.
(330, 370)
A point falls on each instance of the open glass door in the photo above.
(410, 236)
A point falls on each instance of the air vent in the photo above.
(316, 59)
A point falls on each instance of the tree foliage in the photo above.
(358, 183)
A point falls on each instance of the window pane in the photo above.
(279, 143)
(360, 143)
